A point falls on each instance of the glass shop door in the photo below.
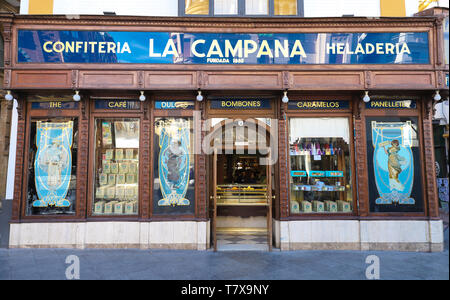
(236, 188)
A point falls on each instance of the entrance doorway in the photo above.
(241, 197)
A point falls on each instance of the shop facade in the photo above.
(180, 132)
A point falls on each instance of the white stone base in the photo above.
(365, 235)
(425, 236)
(144, 235)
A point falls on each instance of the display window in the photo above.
(173, 166)
(52, 167)
(320, 166)
(116, 186)
(394, 167)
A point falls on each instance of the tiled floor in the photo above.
(240, 241)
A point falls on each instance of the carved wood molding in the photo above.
(283, 165)
(74, 79)
(368, 79)
(440, 43)
(201, 197)
(145, 166)
(20, 149)
(361, 166)
(141, 79)
(287, 80)
(82, 172)
(7, 79)
(430, 168)
(225, 22)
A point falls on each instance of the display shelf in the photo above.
(242, 194)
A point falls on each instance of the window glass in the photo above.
(285, 7)
(256, 7)
(173, 166)
(196, 7)
(116, 183)
(225, 7)
(320, 174)
(52, 167)
(393, 158)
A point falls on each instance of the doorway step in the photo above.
(242, 239)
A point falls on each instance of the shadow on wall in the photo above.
(5, 217)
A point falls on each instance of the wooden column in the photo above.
(430, 166)
(144, 165)
(18, 176)
(361, 158)
(283, 147)
(83, 148)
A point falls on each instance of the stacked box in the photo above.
(99, 193)
(295, 207)
(114, 168)
(305, 206)
(131, 207)
(129, 153)
(103, 179)
(317, 206)
(120, 179)
(99, 207)
(110, 192)
(109, 207)
(111, 179)
(119, 207)
(344, 206)
(123, 168)
(330, 206)
(120, 193)
(109, 154)
(106, 166)
(119, 154)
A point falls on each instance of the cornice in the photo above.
(90, 20)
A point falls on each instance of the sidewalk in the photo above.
(185, 265)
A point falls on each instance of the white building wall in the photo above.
(120, 7)
(24, 7)
(337, 8)
(12, 154)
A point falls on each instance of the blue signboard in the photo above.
(117, 104)
(235, 103)
(298, 173)
(318, 104)
(53, 46)
(55, 105)
(174, 104)
(387, 104)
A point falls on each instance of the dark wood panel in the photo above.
(243, 80)
(41, 79)
(403, 80)
(331, 81)
(172, 80)
(108, 79)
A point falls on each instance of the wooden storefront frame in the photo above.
(342, 113)
(19, 210)
(112, 114)
(24, 79)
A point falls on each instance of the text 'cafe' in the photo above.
(280, 133)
